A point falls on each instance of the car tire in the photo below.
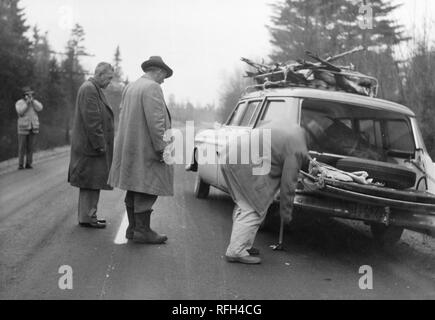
(394, 176)
(386, 236)
(202, 189)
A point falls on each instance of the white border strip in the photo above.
(120, 236)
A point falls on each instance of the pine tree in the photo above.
(329, 27)
(117, 66)
(15, 70)
(73, 72)
(420, 91)
(15, 52)
(48, 86)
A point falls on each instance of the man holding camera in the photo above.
(28, 126)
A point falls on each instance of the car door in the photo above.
(236, 126)
(208, 144)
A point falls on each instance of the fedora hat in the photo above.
(28, 89)
(157, 61)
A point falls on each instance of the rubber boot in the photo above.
(143, 233)
(129, 234)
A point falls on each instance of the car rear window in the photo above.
(357, 131)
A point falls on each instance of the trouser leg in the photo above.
(143, 202)
(29, 149)
(246, 222)
(88, 205)
(22, 139)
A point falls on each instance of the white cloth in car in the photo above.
(325, 171)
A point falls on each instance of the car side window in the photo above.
(371, 130)
(237, 115)
(247, 119)
(399, 136)
(277, 109)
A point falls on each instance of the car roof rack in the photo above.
(319, 75)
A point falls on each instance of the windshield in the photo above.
(357, 131)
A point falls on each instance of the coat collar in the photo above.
(145, 76)
(101, 93)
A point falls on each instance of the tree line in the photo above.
(334, 26)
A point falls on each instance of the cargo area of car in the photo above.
(357, 131)
(351, 138)
(359, 138)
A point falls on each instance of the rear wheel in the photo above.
(387, 236)
(202, 189)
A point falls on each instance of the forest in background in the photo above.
(404, 65)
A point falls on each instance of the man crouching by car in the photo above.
(253, 194)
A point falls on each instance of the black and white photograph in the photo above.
(231, 152)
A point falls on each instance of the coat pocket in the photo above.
(35, 123)
(23, 123)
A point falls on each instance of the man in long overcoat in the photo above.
(92, 145)
(138, 166)
(286, 153)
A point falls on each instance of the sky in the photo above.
(201, 40)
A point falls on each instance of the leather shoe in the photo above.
(29, 166)
(254, 251)
(244, 260)
(93, 225)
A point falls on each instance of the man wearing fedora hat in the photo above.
(28, 126)
(138, 166)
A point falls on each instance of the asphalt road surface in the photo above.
(39, 234)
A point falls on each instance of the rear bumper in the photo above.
(391, 214)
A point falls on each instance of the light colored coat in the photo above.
(28, 120)
(288, 155)
(143, 121)
(92, 139)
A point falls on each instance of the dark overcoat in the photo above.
(92, 139)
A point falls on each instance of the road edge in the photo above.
(12, 164)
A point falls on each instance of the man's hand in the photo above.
(160, 155)
(29, 99)
(286, 218)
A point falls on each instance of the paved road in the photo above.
(38, 234)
